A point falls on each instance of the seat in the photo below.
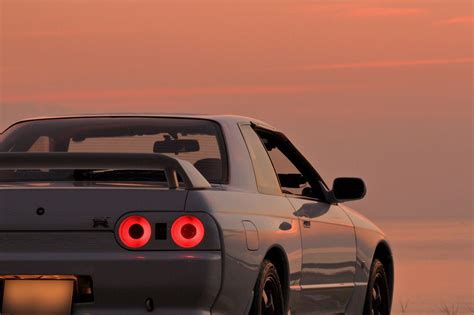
(211, 169)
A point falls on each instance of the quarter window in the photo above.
(267, 181)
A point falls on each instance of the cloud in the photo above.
(325, 8)
(464, 20)
(156, 93)
(383, 12)
(355, 10)
(47, 33)
(386, 64)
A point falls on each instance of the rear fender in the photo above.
(275, 224)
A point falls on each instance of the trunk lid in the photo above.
(63, 206)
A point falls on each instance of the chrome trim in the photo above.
(360, 284)
(328, 286)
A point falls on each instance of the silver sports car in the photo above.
(182, 214)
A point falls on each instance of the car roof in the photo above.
(222, 119)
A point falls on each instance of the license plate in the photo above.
(37, 297)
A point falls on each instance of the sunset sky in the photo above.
(377, 89)
(382, 90)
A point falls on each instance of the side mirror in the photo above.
(348, 189)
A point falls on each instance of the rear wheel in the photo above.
(268, 293)
(377, 301)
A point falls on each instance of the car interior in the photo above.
(296, 175)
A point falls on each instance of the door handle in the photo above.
(307, 224)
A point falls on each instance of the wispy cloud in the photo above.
(385, 64)
(465, 20)
(383, 12)
(355, 10)
(323, 8)
(48, 33)
(156, 93)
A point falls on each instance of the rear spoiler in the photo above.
(192, 178)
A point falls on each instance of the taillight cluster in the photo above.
(135, 231)
(186, 231)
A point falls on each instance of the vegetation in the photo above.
(403, 306)
(446, 309)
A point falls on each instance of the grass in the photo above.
(446, 309)
(403, 306)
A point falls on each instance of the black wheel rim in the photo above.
(271, 297)
(379, 296)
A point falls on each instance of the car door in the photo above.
(328, 236)
(329, 257)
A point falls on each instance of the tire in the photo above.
(377, 301)
(268, 292)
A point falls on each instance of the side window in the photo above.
(296, 177)
(291, 179)
(43, 144)
(267, 182)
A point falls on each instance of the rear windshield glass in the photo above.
(195, 140)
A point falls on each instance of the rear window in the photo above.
(195, 140)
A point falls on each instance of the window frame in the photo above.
(220, 136)
(298, 160)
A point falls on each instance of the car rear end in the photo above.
(118, 245)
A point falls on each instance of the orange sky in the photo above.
(377, 89)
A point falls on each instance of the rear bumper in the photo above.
(179, 282)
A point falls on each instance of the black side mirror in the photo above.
(347, 189)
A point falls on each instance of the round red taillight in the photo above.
(135, 231)
(187, 231)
